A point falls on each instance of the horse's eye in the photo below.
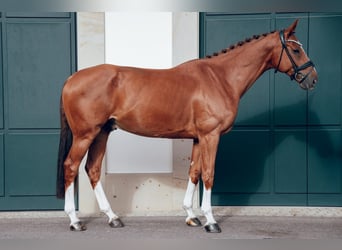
(296, 51)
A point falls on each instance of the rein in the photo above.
(296, 74)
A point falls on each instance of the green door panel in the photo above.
(325, 159)
(324, 152)
(39, 60)
(2, 168)
(325, 200)
(38, 53)
(326, 50)
(38, 14)
(31, 160)
(33, 203)
(244, 162)
(290, 161)
(1, 85)
(257, 199)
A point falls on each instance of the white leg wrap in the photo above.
(188, 200)
(206, 206)
(103, 202)
(69, 205)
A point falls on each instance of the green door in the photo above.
(324, 115)
(285, 148)
(37, 55)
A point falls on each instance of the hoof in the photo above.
(78, 226)
(194, 222)
(116, 223)
(212, 228)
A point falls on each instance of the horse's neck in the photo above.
(245, 64)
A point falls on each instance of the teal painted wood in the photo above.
(243, 163)
(2, 162)
(290, 170)
(1, 85)
(39, 60)
(38, 14)
(38, 54)
(325, 110)
(298, 160)
(31, 159)
(326, 47)
(2, 167)
(324, 159)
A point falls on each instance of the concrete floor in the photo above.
(174, 227)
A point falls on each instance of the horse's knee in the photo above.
(194, 177)
(208, 180)
(194, 173)
(70, 172)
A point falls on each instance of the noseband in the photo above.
(296, 74)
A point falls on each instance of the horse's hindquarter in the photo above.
(87, 97)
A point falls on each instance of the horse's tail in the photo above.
(65, 143)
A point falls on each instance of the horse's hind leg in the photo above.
(71, 164)
(194, 175)
(93, 168)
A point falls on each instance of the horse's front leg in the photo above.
(208, 145)
(194, 174)
(211, 225)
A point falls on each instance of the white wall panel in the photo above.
(140, 40)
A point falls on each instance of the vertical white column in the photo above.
(90, 52)
(140, 39)
(181, 30)
(185, 47)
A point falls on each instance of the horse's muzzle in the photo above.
(307, 81)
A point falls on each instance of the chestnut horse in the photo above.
(197, 100)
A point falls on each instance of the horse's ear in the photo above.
(291, 30)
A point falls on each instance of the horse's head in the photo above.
(294, 62)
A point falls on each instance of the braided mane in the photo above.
(239, 44)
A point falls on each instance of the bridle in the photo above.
(297, 70)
